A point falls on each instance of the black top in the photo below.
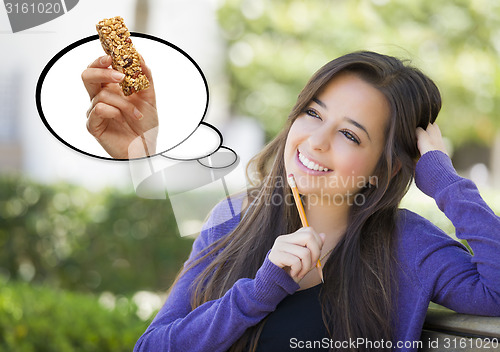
(296, 324)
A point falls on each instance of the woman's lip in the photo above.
(307, 170)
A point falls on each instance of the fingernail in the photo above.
(138, 114)
(103, 60)
(118, 76)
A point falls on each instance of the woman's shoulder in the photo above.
(416, 234)
(410, 223)
(408, 218)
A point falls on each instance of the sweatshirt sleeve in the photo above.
(455, 278)
(217, 324)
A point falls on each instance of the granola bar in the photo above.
(116, 42)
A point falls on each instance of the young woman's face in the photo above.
(333, 147)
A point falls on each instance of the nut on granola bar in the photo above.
(116, 42)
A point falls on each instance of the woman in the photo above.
(352, 142)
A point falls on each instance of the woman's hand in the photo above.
(125, 126)
(430, 139)
(297, 252)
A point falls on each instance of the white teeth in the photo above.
(311, 164)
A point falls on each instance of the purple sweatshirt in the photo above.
(432, 267)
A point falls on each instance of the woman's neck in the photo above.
(331, 219)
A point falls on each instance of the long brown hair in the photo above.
(358, 296)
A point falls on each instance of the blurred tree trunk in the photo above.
(141, 15)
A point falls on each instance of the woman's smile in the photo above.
(310, 166)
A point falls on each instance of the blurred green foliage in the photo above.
(68, 237)
(275, 46)
(35, 318)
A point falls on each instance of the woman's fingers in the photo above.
(297, 252)
(296, 260)
(308, 238)
(430, 139)
(109, 98)
(98, 73)
(101, 62)
(303, 253)
(290, 262)
(99, 116)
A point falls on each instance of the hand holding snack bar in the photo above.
(116, 42)
(123, 119)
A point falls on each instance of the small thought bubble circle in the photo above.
(180, 86)
(223, 158)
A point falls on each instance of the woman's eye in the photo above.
(350, 136)
(313, 113)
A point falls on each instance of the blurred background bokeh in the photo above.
(84, 261)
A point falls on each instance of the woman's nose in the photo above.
(320, 139)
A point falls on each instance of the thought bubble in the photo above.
(180, 85)
(223, 158)
(204, 141)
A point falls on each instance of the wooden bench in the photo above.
(446, 330)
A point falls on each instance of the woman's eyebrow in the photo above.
(358, 125)
(348, 119)
(320, 103)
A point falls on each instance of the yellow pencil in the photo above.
(302, 214)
